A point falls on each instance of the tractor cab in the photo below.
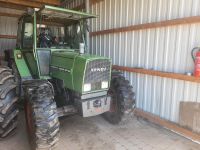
(48, 30)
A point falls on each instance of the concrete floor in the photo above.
(96, 134)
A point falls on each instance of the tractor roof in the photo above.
(57, 13)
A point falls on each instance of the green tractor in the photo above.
(56, 78)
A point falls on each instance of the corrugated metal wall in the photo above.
(8, 26)
(165, 49)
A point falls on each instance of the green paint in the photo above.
(31, 63)
(21, 65)
(75, 65)
(35, 43)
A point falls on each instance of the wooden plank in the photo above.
(174, 22)
(50, 2)
(189, 114)
(169, 125)
(10, 15)
(159, 73)
(26, 3)
(23, 3)
(8, 36)
(13, 6)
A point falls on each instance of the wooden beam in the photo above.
(27, 3)
(23, 3)
(169, 125)
(8, 36)
(10, 15)
(50, 2)
(159, 73)
(12, 6)
(174, 22)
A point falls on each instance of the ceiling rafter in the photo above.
(30, 3)
(10, 15)
(12, 6)
(50, 2)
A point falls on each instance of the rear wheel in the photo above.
(122, 99)
(41, 115)
(8, 99)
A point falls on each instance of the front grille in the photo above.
(96, 72)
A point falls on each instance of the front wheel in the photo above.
(122, 99)
(41, 115)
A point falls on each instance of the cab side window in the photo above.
(28, 35)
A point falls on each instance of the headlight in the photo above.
(87, 87)
(104, 84)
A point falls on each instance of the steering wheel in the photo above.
(45, 39)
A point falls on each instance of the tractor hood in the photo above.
(73, 55)
(76, 69)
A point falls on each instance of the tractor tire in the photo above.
(122, 99)
(41, 115)
(8, 99)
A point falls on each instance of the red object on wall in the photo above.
(197, 65)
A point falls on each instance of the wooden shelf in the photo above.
(173, 22)
(159, 73)
(8, 36)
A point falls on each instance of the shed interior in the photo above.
(150, 41)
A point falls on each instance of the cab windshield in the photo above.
(60, 37)
(61, 28)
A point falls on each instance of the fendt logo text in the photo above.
(98, 69)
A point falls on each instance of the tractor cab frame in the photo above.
(28, 41)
